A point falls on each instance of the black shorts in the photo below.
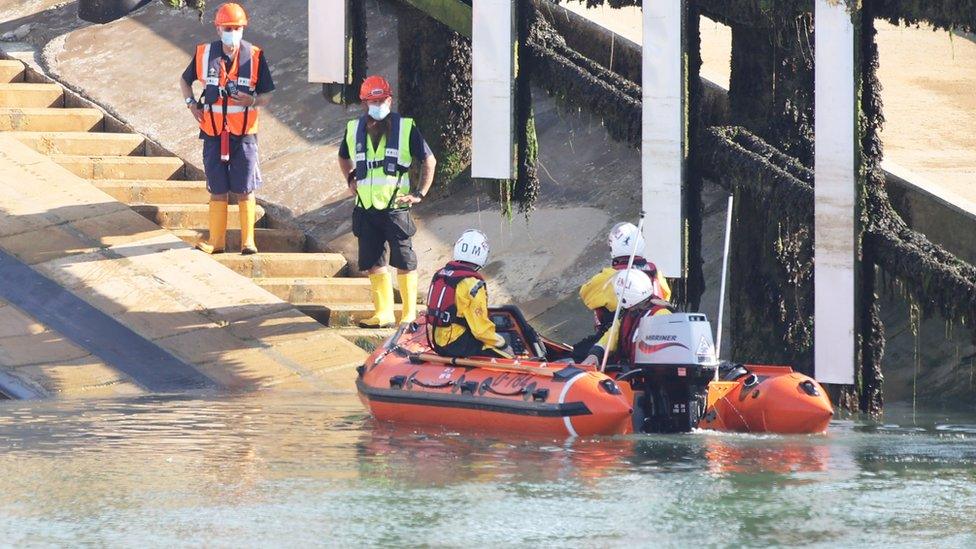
(377, 229)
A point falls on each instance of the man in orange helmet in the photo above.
(377, 155)
(237, 83)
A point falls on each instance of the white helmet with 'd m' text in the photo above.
(472, 247)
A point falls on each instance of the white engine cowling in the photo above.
(678, 339)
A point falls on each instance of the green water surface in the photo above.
(314, 470)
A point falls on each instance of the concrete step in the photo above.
(266, 265)
(367, 339)
(267, 240)
(122, 167)
(189, 216)
(22, 94)
(36, 119)
(340, 315)
(319, 291)
(11, 71)
(83, 143)
(154, 191)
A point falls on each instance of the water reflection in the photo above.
(313, 469)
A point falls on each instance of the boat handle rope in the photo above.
(486, 386)
(413, 379)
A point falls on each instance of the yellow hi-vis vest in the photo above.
(382, 173)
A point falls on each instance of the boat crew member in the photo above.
(457, 304)
(636, 292)
(376, 155)
(598, 293)
(237, 83)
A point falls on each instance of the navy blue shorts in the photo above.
(241, 175)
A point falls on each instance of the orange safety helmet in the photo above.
(373, 88)
(230, 14)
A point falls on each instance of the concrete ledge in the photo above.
(50, 119)
(188, 216)
(234, 332)
(11, 71)
(17, 94)
(341, 315)
(318, 290)
(83, 143)
(323, 265)
(150, 191)
(122, 167)
(945, 218)
(267, 240)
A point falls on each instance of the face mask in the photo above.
(379, 112)
(231, 38)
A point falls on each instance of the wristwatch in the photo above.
(188, 100)
(418, 194)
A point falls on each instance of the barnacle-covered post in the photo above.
(836, 191)
(494, 38)
(504, 147)
(663, 132)
(689, 293)
(337, 48)
(434, 76)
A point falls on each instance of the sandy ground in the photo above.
(927, 76)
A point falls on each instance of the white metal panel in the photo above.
(835, 127)
(662, 156)
(492, 116)
(327, 41)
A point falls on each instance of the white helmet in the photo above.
(632, 286)
(621, 240)
(472, 247)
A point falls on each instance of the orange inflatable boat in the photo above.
(403, 382)
(670, 390)
(766, 399)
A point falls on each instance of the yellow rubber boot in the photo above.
(217, 240)
(248, 208)
(408, 295)
(382, 293)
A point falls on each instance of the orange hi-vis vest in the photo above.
(219, 109)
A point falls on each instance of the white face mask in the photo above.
(232, 38)
(379, 112)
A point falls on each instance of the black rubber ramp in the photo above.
(148, 365)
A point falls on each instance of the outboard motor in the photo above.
(675, 360)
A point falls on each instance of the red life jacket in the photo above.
(604, 316)
(629, 322)
(441, 298)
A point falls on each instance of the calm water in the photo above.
(315, 470)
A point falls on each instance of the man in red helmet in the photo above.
(381, 156)
(237, 83)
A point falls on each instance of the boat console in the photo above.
(510, 323)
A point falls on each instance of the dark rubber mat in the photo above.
(148, 365)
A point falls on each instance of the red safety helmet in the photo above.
(373, 88)
(231, 15)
